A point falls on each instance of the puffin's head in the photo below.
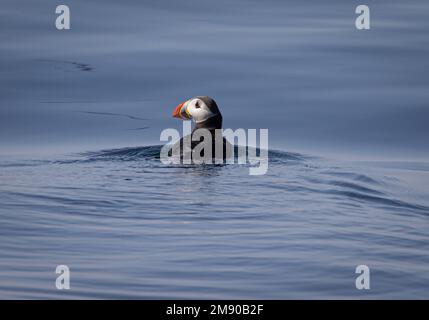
(202, 110)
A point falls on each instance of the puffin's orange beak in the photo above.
(177, 111)
(181, 112)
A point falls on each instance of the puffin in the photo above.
(205, 114)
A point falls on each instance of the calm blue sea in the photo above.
(81, 184)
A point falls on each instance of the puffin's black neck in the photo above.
(211, 123)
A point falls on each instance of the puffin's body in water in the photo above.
(205, 113)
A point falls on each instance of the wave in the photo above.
(153, 152)
(336, 182)
(290, 172)
(148, 153)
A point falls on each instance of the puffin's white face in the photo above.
(195, 109)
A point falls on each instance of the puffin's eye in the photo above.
(197, 104)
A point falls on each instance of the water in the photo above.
(304, 72)
(130, 227)
(346, 111)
